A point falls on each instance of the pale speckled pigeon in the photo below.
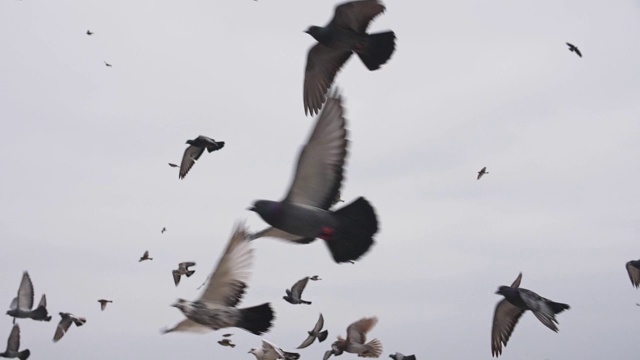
(183, 269)
(400, 356)
(195, 150)
(13, 346)
(316, 332)
(294, 296)
(356, 341)
(65, 323)
(23, 303)
(269, 351)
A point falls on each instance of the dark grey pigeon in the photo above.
(304, 214)
(633, 269)
(574, 49)
(294, 296)
(400, 356)
(482, 172)
(316, 332)
(509, 310)
(344, 34)
(145, 256)
(183, 269)
(195, 150)
(64, 324)
(13, 346)
(22, 304)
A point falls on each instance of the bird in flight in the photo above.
(103, 303)
(574, 49)
(195, 150)
(65, 323)
(400, 356)
(316, 332)
(13, 346)
(356, 341)
(183, 269)
(89, 32)
(21, 306)
(226, 342)
(294, 296)
(163, 230)
(107, 64)
(145, 256)
(633, 269)
(269, 351)
(482, 172)
(174, 165)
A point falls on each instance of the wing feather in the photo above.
(299, 286)
(191, 154)
(356, 332)
(13, 343)
(356, 15)
(323, 64)
(25, 293)
(505, 318)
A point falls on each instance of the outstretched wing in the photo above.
(188, 326)
(634, 274)
(505, 318)
(13, 343)
(356, 332)
(298, 287)
(356, 15)
(62, 328)
(323, 63)
(25, 293)
(191, 154)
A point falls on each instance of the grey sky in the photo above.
(85, 185)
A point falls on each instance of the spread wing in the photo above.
(228, 281)
(176, 276)
(186, 264)
(505, 318)
(356, 332)
(540, 308)
(634, 274)
(103, 305)
(13, 343)
(188, 326)
(308, 341)
(277, 233)
(319, 172)
(25, 293)
(323, 63)
(191, 154)
(356, 15)
(271, 351)
(319, 324)
(516, 282)
(63, 327)
(43, 301)
(298, 287)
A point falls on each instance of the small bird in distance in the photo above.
(103, 303)
(145, 256)
(195, 149)
(294, 296)
(183, 269)
(482, 172)
(574, 49)
(65, 322)
(316, 332)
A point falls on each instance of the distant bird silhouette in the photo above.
(64, 324)
(400, 356)
(174, 165)
(103, 303)
(145, 256)
(294, 296)
(195, 150)
(226, 342)
(183, 269)
(13, 346)
(163, 230)
(89, 32)
(509, 310)
(344, 34)
(226, 335)
(574, 49)
(107, 64)
(356, 339)
(633, 269)
(269, 351)
(22, 304)
(482, 172)
(315, 278)
(316, 332)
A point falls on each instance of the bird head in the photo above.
(502, 290)
(181, 304)
(268, 210)
(315, 31)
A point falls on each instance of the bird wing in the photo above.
(308, 341)
(43, 301)
(516, 282)
(356, 15)
(25, 293)
(410, 357)
(62, 328)
(505, 318)
(277, 233)
(578, 52)
(319, 324)
(323, 63)
(540, 308)
(186, 264)
(271, 351)
(14, 304)
(229, 278)
(634, 274)
(191, 154)
(13, 343)
(188, 325)
(176, 276)
(327, 354)
(319, 172)
(103, 305)
(356, 332)
(298, 287)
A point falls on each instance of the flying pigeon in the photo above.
(107, 64)
(304, 214)
(195, 150)
(163, 230)
(344, 34)
(145, 256)
(482, 172)
(226, 342)
(13, 345)
(294, 296)
(316, 332)
(633, 268)
(64, 324)
(400, 356)
(355, 342)
(216, 307)
(89, 32)
(508, 311)
(103, 303)
(226, 335)
(315, 278)
(22, 304)
(269, 351)
(174, 165)
(574, 49)
(183, 269)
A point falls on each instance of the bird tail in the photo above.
(291, 356)
(257, 319)
(373, 349)
(220, 145)
(232, 345)
(40, 314)
(305, 302)
(378, 49)
(357, 223)
(323, 335)
(558, 307)
(79, 321)
(24, 354)
(190, 272)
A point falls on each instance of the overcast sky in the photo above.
(85, 186)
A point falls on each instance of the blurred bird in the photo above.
(226, 342)
(226, 335)
(195, 150)
(482, 172)
(183, 269)
(163, 230)
(22, 304)
(216, 307)
(303, 214)
(103, 303)
(399, 356)
(294, 296)
(355, 341)
(89, 32)
(174, 165)
(13, 346)
(107, 64)
(316, 332)
(269, 351)
(145, 256)
(344, 34)
(315, 278)
(509, 310)
(65, 322)
(633, 269)
(574, 49)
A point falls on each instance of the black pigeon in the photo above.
(193, 152)
(482, 172)
(294, 296)
(400, 356)
(64, 324)
(316, 332)
(22, 304)
(107, 64)
(574, 49)
(344, 34)
(509, 310)
(633, 269)
(13, 346)
(304, 214)
(89, 32)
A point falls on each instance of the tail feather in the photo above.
(378, 49)
(323, 335)
(214, 148)
(357, 223)
(79, 321)
(190, 272)
(257, 319)
(374, 349)
(305, 302)
(558, 307)
(24, 354)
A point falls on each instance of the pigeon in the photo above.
(303, 214)
(269, 351)
(355, 342)
(89, 32)
(226, 335)
(226, 342)
(65, 323)
(107, 64)
(195, 150)
(103, 303)
(163, 230)
(13, 345)
(574, 49)
(216, 307)
(294, 296)
(315, 278)
(508, 311)
(145, 256)
(633, 268)
(183, 269)
(344, 34)
(174, 165)
(482, 172)
(315, 333)
(400, 356)
(22, 304)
